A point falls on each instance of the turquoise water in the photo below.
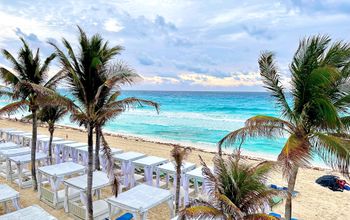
(197, 118)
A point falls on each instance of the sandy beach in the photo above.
(313, 201)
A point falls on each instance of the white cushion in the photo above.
(72, 193)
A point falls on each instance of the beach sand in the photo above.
(313, 201)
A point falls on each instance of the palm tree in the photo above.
(178, 155)
(109, 105)
(236, 190)
(319, 72)
(28, 68)
(50, 114)
(89, 78)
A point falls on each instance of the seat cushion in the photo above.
(100, 208)
(72, 193)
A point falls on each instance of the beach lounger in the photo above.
(140, 199)
(8, 145)
(127, 167)
(197, 177)
(79, 212)
(32, 213)
(52, 195)
(6, 154)
(7, 194)
(22, 179)
(77, 207)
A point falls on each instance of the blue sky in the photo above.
(181, 45)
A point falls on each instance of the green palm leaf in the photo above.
(335, 151)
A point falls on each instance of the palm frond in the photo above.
(16, 65)
(130, 102)
(199, 209)
(179, 154)
(259, 126)
(295, 153)
(228, 206)
(334, 150)
(113, 176)
(236, 188)
(260, 217)
(14, 107)
(51, 83)
(271, 79)
(8, 76)
(337, 55)
(6, 91)
(343, 102)
(45, 67)
(307, 58)
(346, 121)
(49, 96)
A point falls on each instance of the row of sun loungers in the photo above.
(63, 184)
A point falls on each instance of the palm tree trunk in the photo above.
(51, 130)
(33, 152)
(219, 151)
(291, 184)
(97, 147)
(90, 171)
(177, 193)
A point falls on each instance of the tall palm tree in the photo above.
(109, 105)
(28, 68)
(319, 73)
(236, 190)
(50, 114)
(178, 155)
(89, 78)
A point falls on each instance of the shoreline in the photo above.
(254, 156)
(249, 155)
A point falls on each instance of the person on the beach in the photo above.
(341, 183)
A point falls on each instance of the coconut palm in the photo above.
(178, 154)
(50, 114)
(110, 105)
(89, 79)
(236, 190)
(27, 68)
(312, 122)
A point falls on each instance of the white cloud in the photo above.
(239, 79)
(160, 80)
(113, 25)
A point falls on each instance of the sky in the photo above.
(181, 44)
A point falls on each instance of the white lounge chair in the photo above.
(52, 195)
(32, 212)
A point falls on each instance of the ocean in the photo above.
(198, 119)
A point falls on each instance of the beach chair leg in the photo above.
(66, 197)
(110, 211)
(10, 173)
(143, 216)
(20, 175)
(7, 169)
(5, 207)
(171, 207)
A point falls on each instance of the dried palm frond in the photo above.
(110, 166)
